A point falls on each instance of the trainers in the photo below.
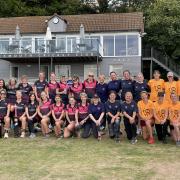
(134, 141)
(6, 135)
(22, 135)
(151, 141)
(32, 135)
(46, 136)
(164, 141)
(177, 143)
(117, 140)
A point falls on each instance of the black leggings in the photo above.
(114, 128)
(161, 130)
(130, 129)
(31, 125)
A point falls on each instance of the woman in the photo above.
(71, 111)
(4, 114)
(2, 84)
(170, 87)
(145, 108)
(90, 85)
(160, 112)
(40, 86)
(101, 89)
(156, 85)
(63, 89)
(76, 89)
(44, 112)
(19, 115)
(96, 114)
(114, 84)
(11, 91)
(31, 113)
(52, 87)
(58, 114)
(129, 110)
(174, 116)
(127, 84)
(113, 110)
(139, 86)
(25, 88)
(82, 117)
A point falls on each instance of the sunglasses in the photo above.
(91, 75)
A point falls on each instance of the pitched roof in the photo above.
(92, 23)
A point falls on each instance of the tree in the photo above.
(163, 25)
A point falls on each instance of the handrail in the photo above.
(164, 59)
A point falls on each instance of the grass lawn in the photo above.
(87, 159)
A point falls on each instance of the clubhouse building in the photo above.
(70, 44)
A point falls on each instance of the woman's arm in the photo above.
(92, 118)
(62, 115)
(53, 115)
(76, 117)
(67, 117)
(39, 113)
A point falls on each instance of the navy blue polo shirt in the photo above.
(114, 86)
(96, 110)
(126, 86)
(40, 86)
(113, 108)
(138, 88)
(129, 108)
(102, 92)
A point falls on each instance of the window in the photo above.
(4, 45)
(132, 45)
(61, 45)
(92, 43)
(108, 45)
(118, 68)
(39, 45)
(120, 45)
(45, 69)
(15, 72)
(90, 68)
(26, 45)
(71, 44)
(64, 70)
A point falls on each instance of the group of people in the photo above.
(74, 108)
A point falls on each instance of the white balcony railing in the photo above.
(40, 45)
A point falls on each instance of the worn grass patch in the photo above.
(87, 159)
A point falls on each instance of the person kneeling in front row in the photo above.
(129, 110)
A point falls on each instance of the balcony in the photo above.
(39, 47)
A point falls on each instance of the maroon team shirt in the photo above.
(52, 89)
(62, 86)
(58, 110)
(71, 112)
(76, 91)
(45, 108)
(90, 88)
(82, 111)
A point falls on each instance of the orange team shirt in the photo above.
(145, 110)
(170, 87)
(155, 86)
(160, 110)
(178, 85)
(174, 112)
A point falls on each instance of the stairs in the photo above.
(150, 54)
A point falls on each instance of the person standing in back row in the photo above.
(127, 84)
(156, 85)
(90, 85)
(114, 84)
(170, 86)
(40, 86)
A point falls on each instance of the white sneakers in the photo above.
(22, 135)
(6, 135)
